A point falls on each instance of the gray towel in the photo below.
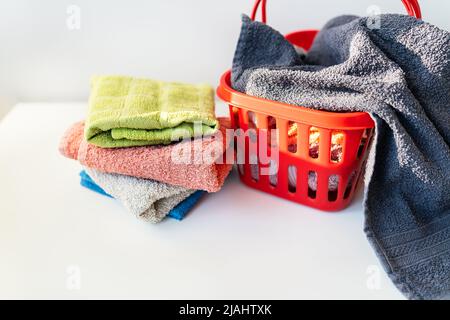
(148, 200)
(400, 74)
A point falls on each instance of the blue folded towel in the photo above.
(87, 182)
(178, 213)
(182, 209)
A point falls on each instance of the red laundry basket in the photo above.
(309, 173)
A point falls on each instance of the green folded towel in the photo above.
(126, 112)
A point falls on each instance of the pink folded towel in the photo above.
(154, 162)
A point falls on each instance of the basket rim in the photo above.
(319, 118)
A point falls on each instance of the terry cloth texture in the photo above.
(183, 208)
(400, 74)
(125, 111)
(87, 182)
(156, 162)
(148, 200)
(178, 213)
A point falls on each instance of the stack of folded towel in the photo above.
(155, 146)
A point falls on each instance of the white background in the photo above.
(41, 59)
(238, 243)
(59, 240)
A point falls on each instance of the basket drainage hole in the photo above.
(292, 136)
(348, 188)
(236, 117)
(363, 142)
(254, 170)
(292, 179)
(273, 171)
(337, 141)
(314, 138)
(272, 136)
(252, 123)
(333, 183)
(312, 184)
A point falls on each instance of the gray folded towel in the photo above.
(148, 200)
(400, 74)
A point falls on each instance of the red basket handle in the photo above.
(412, 7)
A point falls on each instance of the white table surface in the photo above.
(59, 240)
